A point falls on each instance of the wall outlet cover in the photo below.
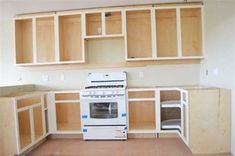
(45, 78)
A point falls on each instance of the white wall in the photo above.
(219, 47)
(153, 75)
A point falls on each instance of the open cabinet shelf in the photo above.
(45, 39)
(70, 38)
(170, 101)
(139, 41)
(24, 41)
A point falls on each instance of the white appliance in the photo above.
(103, 107)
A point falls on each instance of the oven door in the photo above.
(103, 111)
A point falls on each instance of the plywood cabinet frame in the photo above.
(52, 111)
(29, 108)
(152, 8)
(152, 99)
(183, 113)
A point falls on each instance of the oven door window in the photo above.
(104, 110)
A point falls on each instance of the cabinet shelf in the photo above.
(171, 104)
(171, 124)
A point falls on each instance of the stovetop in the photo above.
(105, 87)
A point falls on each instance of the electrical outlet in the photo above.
(45, 78)
(141, 75)
(62, 77)
(216, 71)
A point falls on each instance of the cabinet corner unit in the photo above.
(23, 122)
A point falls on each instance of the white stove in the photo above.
(103, 107)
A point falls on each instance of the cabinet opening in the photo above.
(70, 38)
(113, 23)
(170, 101)
(141, 94)
(24, 129)
(93, 24)
(45, 39)
(38, 122)
(24, 41)
(68, 117)
(166, 29)
(105, 50)
(191, 28)
(142, 115)
(139, 38)
(67, 96)
(28, 101)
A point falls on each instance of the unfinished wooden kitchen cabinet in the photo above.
(191, 29)
(139, 34)
(141, 111)
(170, 109)
(45, 39)
(166, 28)
(70, 38)
(113, 23)
(24, 122)
(93, 24)
(67, 112)
(24, 41)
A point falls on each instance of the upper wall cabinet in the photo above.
(145, 33)
(166, 28)
(70, 38)
(138, 28)
(24, 41)
(191, 29)
(45, 39)
(103, 24)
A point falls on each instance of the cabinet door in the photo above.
(38, 122)
(185, 117)
(24, 129)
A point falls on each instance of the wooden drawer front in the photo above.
(28, 101)
(169, 95)
(67, 96)
(141, 94)
(142, 115)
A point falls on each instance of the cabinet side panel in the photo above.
(208, 115)
(7, 128)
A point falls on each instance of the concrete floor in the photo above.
(131, 147)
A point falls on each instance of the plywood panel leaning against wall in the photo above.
(210, 120)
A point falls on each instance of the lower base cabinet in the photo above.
(200, 116)
(22, 123)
